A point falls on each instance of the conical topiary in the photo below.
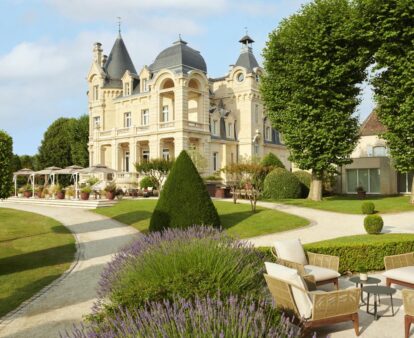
(184, 200)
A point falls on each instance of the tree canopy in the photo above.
(157, 169)
(314, 62)
(6, 159)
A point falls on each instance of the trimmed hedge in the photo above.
(305, 180)
(368, 208)
(271, 160)
(281, 184)
(6, 155)
(373, 224)
(184, 200)
(364, 250)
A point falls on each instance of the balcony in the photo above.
(164, 125)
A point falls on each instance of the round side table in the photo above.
(360, 283)
(377, 291)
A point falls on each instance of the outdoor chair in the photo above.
(315, 308)
(408, 301)
(324, 268)
(400, 269)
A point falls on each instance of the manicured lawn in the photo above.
(236, 218)
(34, 250)
(351, 205)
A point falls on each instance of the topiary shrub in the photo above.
(305, 180)
(184, 200)
(280, 184)
(368, 208)
(271, 160)
(198, 261)
(373, 224)
(146, 182)
(205, 317)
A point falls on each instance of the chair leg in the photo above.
(336, 283)
(407, 325)
(388, 282)
(355, 319)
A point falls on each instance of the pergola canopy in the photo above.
(23, 172)
(99, 168)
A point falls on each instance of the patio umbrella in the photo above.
(71, 170)
(21, 172)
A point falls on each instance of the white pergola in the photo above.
(74, 171)
(21, 172)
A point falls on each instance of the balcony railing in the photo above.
(163, 125)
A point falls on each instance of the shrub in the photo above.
(184, 200)
(110, 187)
(205, 317)
(373, 224)
(305, 180)
(163, 265)
(6, 155)
(146, 182)
(280, 184)
(364, 250)
(368, 208)
(271, 160)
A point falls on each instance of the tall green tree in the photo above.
(314, 62)
(392, 24)
(79, 142)
(6, 162)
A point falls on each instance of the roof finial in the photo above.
(247, 32)
(179, 36)
(119, 25)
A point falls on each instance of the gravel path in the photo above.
(66, 300)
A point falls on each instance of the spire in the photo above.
(246, 58)
(118, 61)
(119, 26)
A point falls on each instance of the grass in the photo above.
(237, 219)
(34, 250)
(350, 204)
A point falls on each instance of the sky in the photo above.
(46, 49)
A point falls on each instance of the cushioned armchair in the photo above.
(316, 308)
(408, 300)
(400, 269)
(324, 268)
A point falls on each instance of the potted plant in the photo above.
(361, 192)
(110, 190)
(60, 192)
(70, 192)
(27, 191)
(38, 191)
(363, 273)
(85, 192)
(119, 193)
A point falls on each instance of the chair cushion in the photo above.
(321, 274)
(291, 250)
(405, 274)
(302, 300)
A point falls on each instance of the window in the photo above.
(240, 77)
(256, 148)
(166, 154)
(257, 77)
(127, 120)
(164, 117)
(405, 181)
(126, 164)
(369, 179)
(214, 127)
(97, 122)
(268, 134)
(145, 85)
(215, 161)
(96, 92)
(230, 130)
(256, 113)
(127, 89)
(379, 151)
(145, 155)
(144, 117)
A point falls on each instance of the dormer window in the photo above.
(96, 92)
(145, 85)
(240, 77)
(127, 91)
(214, 127)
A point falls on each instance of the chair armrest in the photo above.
(310, 282)
(408, 301)
(323, 261)
(335, 303)
(293, 265)
(398, 261)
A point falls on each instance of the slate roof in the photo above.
(180, 58)
(246, 58)
(118, 63)
(372, 125)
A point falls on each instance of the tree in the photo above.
(27, 161)
(392, 24)
(184, 200)
(314, 62)
(79, 141)
(6, 158)
(55, 149)
(157, 169)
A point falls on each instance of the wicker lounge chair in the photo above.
(400, 269)
(408, 300)
(324, 268)
(316, 308)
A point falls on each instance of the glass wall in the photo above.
(369, 179)
(405, 180)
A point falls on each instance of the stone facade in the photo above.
(173, 105)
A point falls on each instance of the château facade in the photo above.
(173, 105)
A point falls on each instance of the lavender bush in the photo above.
(199, 261)
(203, 317)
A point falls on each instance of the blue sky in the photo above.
(46, 48)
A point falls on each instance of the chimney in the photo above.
(97, 53)
(105, 57)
